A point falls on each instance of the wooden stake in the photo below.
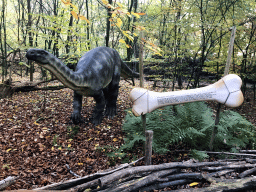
(141, 61)
(143, 117)
(148, 147)
(230, 50)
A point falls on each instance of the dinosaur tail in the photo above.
(126, 72)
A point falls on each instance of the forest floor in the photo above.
(38, 141)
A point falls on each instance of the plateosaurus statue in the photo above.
(97, 75)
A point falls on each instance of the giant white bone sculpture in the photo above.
(226, 91)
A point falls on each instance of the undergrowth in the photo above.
(192, 124)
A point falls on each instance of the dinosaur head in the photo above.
(39, 55)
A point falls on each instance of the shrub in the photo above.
(191, 123)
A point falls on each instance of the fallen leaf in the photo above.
(193, 184)
(115, 139)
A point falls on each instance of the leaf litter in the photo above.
(39, 144)
(36, 144)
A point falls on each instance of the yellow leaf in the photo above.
(74, 14)
(122, 41)
(115, 139)
(84, 18)
(59, 148)
(8, 150)
(119, 22)
(79, 163)
(105, 2)
(35, 123)
(193, 184)
(75, 7)
(113, 15)
(141, 13)
(52, 149)
(135, 34)
(110, 6)
(128, 36)
(96, 145)
(69, 145)
(135, 14)
(65, 2)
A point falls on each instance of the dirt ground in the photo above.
(38, 141)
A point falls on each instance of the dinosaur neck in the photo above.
(65, 75)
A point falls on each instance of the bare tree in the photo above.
(3, 40)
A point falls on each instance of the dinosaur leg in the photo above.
(77, 106)
(111, 93)
(99, 108)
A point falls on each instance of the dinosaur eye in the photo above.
(42, 52)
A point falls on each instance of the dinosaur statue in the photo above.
(97, 75)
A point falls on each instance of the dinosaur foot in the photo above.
(76, 118)
(97, 119)
(110, 112)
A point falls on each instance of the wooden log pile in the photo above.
(220, 175)
(8, 87)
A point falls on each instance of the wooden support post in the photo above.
(148, 147)
(143, 117)
(141, 61)
(230, 50)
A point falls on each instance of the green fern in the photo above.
(191, 123)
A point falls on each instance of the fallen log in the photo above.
(185, 176)
(74, 182)
(247, 151)
(134, 185)
(230, 166)
(247, 172)
(167, 184)
(250, 160)
(8, 88)
(80, 183)
(88, 185)
(220, 173)
(228, 153)
(226, 185)
(7, 182)
(135, 170)
(154, 177)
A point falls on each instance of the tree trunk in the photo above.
(69, 37)
(30, 37)
(3, 41)
(87, 25)
(108, 24)
(55, 33)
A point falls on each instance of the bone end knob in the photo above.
(139, 98)
(233, 83)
